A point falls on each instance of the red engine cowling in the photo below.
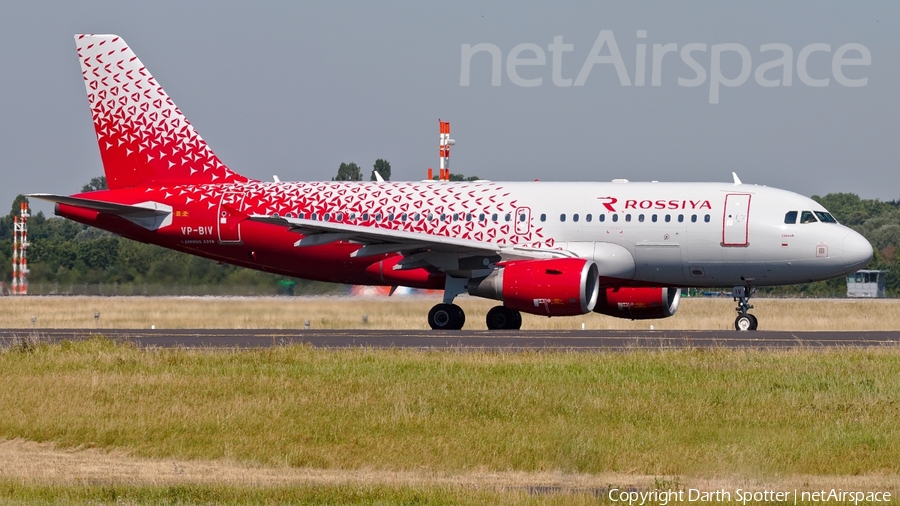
(554, 287)
(639, 303)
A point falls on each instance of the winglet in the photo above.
(378, 176)
(737, 180)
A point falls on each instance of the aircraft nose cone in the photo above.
(857, 251)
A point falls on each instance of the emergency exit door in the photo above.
(736, 220)
(229, 217)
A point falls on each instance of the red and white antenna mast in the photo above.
(445, 144)
(20, 247)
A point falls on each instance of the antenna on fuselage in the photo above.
(737, 180)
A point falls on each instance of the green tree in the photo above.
(97, 183)
(348, 172)
(461, 177)
(383, 167)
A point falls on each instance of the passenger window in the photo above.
(494, 217)
(352, 216)
(693, 218)
(668, 218)
(481, 217)
(575, 217)
(641, 218)
(627, 217)
(378, 217)
(601, 217)
(443, 217)
(455, 217)
(680, 218)
(653, 218)
(326, 217)
(468, 216)
(391, 217)
(562, 217)
(365, 217)
(403, 217)
(615, 217)
(508, 217)
(825, 217)
(430, 216)
(543, 217)
(314, 216)
(706, 218)
(587, 218)
(807, 217)
(791, 217)
(522, 218)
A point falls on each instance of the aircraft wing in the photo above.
(150, 215)
(377, 241)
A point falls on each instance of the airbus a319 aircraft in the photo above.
(554, 249)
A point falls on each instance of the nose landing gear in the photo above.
(744, 321)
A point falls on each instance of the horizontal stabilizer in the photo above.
(150, 215)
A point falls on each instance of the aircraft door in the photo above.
(229, 216)
(736, 220)
(523, 220)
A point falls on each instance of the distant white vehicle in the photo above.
(866, 284)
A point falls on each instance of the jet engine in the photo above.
(553, 287)
(639, 303)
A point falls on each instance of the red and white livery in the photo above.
(552, 249)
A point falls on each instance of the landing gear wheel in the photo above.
(446, 317)
(504, 318)
(745, 322)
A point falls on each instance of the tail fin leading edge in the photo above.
(143, 137)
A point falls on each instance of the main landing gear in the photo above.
(504, 318)
(744, 321)
(452, 317)
(449, 316)
(446, 317)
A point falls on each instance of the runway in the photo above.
(465, 339)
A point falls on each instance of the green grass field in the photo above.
(590, 419)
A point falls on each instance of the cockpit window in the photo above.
(808, 217)
(791, 217)
(825, 217)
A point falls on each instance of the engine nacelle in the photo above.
(639, 303)
(553, 287)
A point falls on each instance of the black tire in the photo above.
(460, 317)
(744, 322)
(754, 322)
(503, 318)
(446, 317)
(517, 321)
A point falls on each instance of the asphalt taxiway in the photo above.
(578, 340)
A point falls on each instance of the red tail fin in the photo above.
(143, 137)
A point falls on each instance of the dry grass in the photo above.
(410, 313)
(32, 462)
(676, 412)
(304, 425)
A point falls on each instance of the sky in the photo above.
(296, 88)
